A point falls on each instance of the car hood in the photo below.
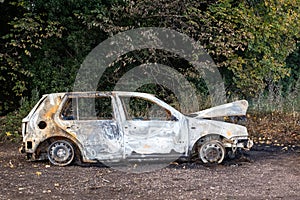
(237, 108)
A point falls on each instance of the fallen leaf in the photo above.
(10, 164)
(38, 173)
(8, 134)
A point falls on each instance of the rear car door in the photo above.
(95, 125)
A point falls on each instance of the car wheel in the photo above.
(61, 153)
(212, 151)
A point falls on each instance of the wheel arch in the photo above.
(198, 142)
(43, 146)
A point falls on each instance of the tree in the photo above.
(45, 44)
(249, 40)
(254, 40)
(26, 33)
(9, 76)
(46, 41)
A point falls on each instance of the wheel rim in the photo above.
(212, 152)
(61, 153)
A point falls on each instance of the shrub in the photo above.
(10, 125)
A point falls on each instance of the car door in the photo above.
(151, 129)
(95, 125)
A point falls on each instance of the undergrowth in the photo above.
(10, 125)
(277, 100)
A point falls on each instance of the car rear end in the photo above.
(38, 123)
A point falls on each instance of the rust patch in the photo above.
(229, 134)
(51, 112)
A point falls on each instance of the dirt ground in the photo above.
(263, 173)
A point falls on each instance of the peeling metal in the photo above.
(156, 130)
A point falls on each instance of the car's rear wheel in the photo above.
(212, 151)
(61, 153)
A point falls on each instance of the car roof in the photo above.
(92, 93)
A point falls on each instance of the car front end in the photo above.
(211, 136)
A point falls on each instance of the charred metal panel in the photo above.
(236, 108)
(39, 124)
(146, 137)
(152, 132)
(100, 139)
(201, 128)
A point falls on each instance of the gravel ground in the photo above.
(264, 173)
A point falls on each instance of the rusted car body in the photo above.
(116, 126)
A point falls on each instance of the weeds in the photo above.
(274, 116)
(277, 100)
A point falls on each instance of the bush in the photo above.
(10, 125)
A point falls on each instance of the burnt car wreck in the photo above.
(116, 126)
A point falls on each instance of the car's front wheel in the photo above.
(61, 153)
(212, 151)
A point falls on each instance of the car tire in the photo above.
(61, 153)
(212, 151)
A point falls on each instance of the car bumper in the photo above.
(244, 143)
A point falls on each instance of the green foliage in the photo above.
(248, 40)
(28, 31)
(292, 63)
(43, 43)
(10, 125)
(255, 40)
